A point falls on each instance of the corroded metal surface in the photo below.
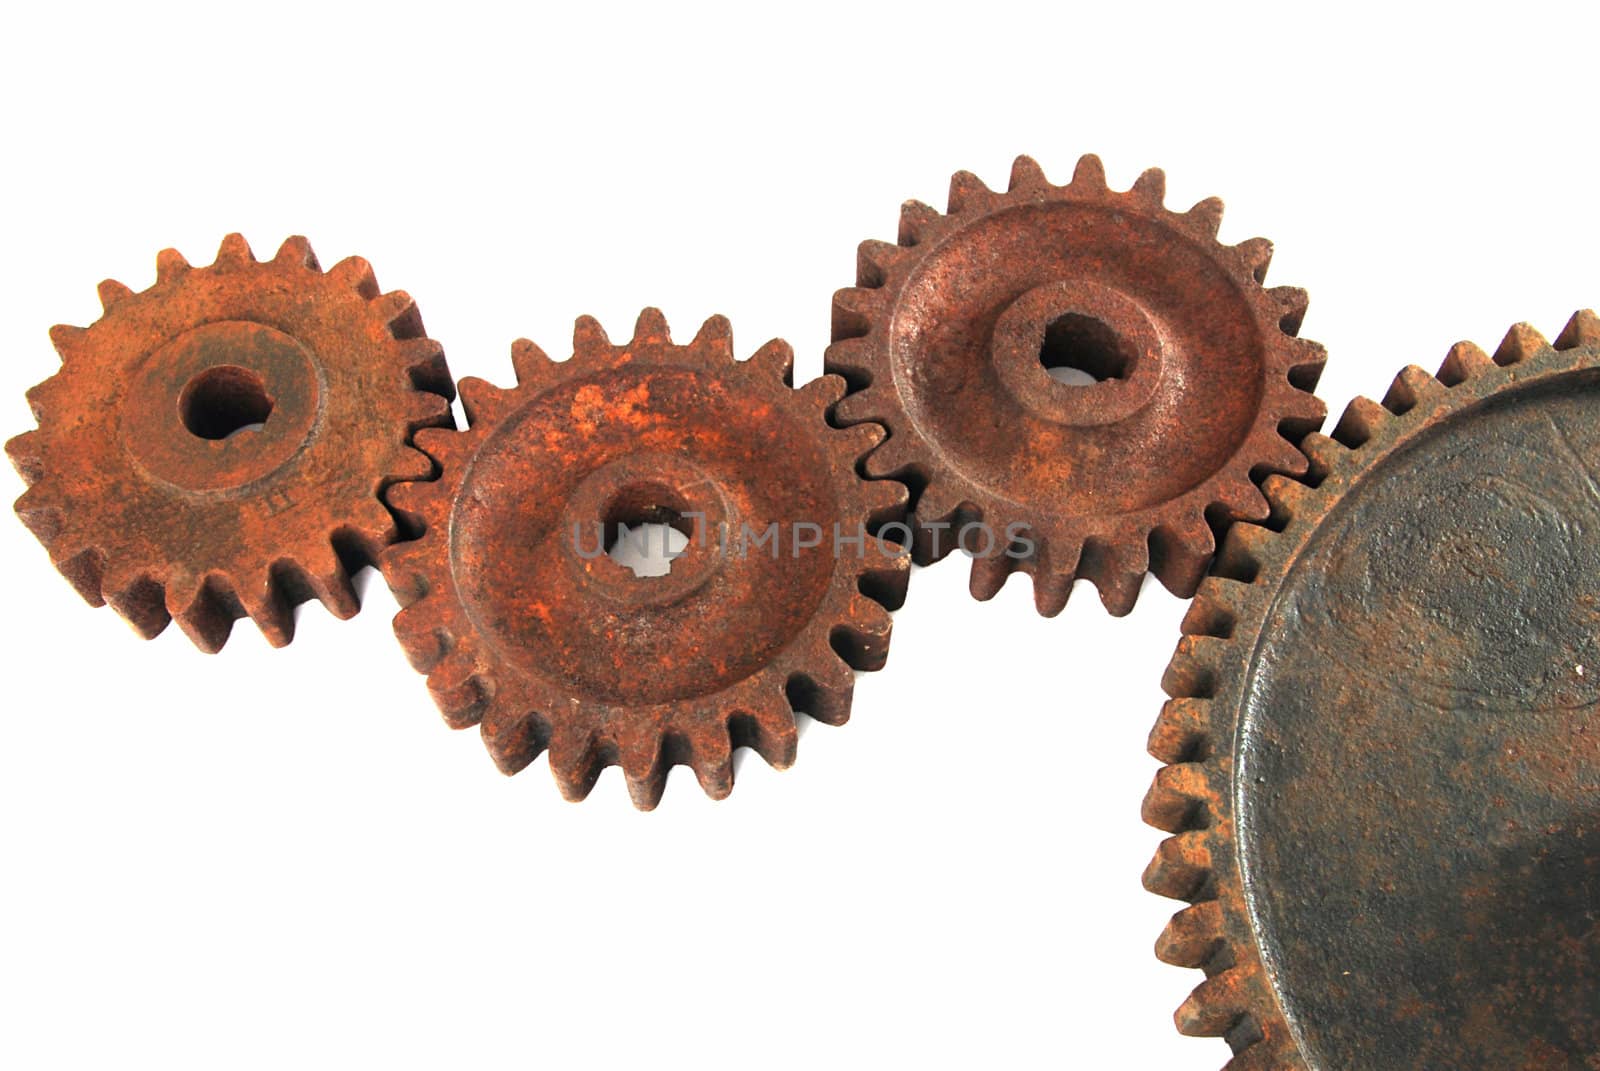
(1192, 384)
(215, 446)
(1384, 744)
(525, 626)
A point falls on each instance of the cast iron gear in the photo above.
(215, 446)
(1383, 749)
(1199, 385)
(525, 626)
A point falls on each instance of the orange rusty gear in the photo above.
(524, 624)
(1381, 748)
(1199, 385)
(215, 446)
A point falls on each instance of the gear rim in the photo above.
(1208, 789)
(1114, 549)
(485, 643)
(126, 478)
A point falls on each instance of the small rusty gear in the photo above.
(1200, 387)
(525, 626)
(215, 446)
(1383, 753)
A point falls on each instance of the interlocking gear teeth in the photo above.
(1203, 739)
(551, 648)
(1203, 389)
(214, 446)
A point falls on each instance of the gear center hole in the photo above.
(644, 533)
(1080, 351)
(223, 401)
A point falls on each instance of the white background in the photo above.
(282, 858)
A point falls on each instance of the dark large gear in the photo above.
(949, 337)
(215, 446)
(1383, 748)
(525, 626)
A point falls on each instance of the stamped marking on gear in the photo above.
(215, 446)
(1191, 383)
(524, 629)
(1384, 741)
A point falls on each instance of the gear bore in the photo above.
(215, 446)
(1382, 746)
(1190, 384)
(527, 627)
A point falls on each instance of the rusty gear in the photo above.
(525, 626)
(1384, 762)
(215, 446)
(948, 339)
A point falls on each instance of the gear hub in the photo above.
(526, 626)
(215, 446)
(1076, 382)
(1384, 760)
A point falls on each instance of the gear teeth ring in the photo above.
(1380, 744)
(1197, 387)
(526, 627)
(215, 446)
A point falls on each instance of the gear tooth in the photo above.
(1192, 673)
(850, 359)
(862, 638)
(141, 601)
(966, 191)
(84, 568)
(458, 690)
(69, 341)
(356, 274)
(425, 365)
(296, 252)
(1117, 571)
(1179, 554)
(822, 394)
(1182, 864)
(1287, 496)
(1413, 386)
(1520, 343)
(709, 750)
(875, 260)
(1216, 1005)
(1362, 419)
(399, 313)
(1193, 936)
(1292, 302)
(1151, 187)
(1242, 551)
(208, 614)
(424, 644)
(857, 440)
(768, 727)
(645, 767)
(853, 311)
(1182, 731)
(482, 401)
(989, 574)
(1026, 174)
(775, 360)
(26, 452)
(651, 326)
(1465, 360)
(1256, 253)
(1179, 795)
(715, 337)
(1216, 606)
(405, 567)
(1323, 452)
(588, 337)
(917, 221)
(937, 502)
(1051, 591)
(858, 408)
(1090, 174)
(330, 582)
(170, 266)
(886, 500)
(437, 443)
(1206, 216)
(513, 739)
(265, 603)
(576, 760)
(529, 361)
(424, 409)
(1241, 500)
(112, 294)
(1582, 330)
(234, 252)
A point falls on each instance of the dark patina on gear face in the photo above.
(1386, 745)
(1190, 382)
(526, 626)
(214, 446)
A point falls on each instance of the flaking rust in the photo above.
(214, 447)
(1383, 748)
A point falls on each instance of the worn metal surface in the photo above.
(1385, 736)
(214, 446)
(1193, 379)
(524, 625)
